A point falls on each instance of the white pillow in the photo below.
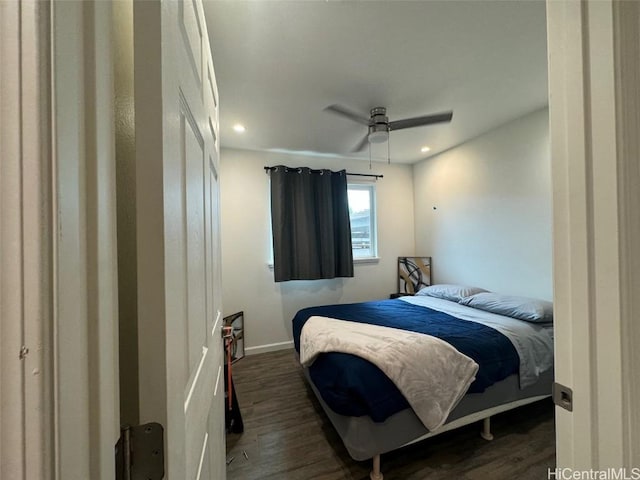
(453, 293)
(522, 308)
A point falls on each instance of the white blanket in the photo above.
(431, 374)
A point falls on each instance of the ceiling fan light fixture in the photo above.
(379, 136)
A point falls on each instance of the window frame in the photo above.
(373, 220)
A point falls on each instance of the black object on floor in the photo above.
(233, 417)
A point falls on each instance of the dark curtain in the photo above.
(310, 224)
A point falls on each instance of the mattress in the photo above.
(365, 438)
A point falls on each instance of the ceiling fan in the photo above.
(380, 126)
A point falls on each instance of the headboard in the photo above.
(414, 273)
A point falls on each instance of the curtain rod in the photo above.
(268, 169)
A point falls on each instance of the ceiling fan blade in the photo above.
(345, 112)
(419, 121)
(360, 146)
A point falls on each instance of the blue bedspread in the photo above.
(354, 387)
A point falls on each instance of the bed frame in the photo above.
(365, 439)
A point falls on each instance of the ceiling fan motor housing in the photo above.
(379, 116)
(379, 125)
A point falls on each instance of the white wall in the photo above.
(248, 283)
(483, 210)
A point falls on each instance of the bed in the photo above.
(495, 354)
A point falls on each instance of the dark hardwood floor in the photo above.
(287, 436)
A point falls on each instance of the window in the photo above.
(362, 214)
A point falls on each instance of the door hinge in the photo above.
(140, 452)
(562, 396)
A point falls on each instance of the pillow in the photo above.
(522, 308)
(453, 293)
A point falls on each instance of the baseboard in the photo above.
(270, 347)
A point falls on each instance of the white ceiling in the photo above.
(280, 63)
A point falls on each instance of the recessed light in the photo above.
(239, 128)
(425, 149)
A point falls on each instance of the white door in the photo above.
(179, 297)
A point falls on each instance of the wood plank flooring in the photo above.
(288, 437)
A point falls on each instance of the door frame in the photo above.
(593, 115)
(59, 409)
(594, 70)
(26, 412)
(84, 254)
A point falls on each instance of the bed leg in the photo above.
(375, 473)
(486, 429)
